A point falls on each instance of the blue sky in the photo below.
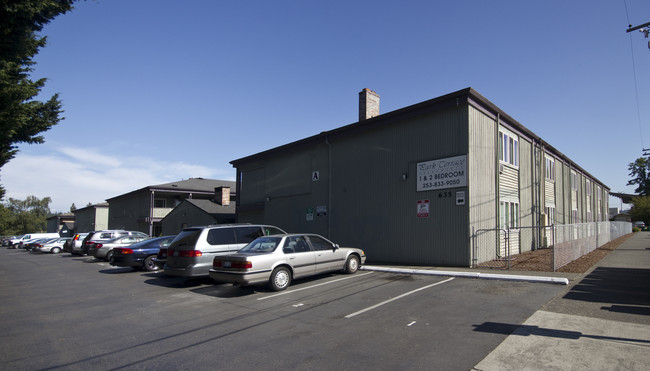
(156, 90)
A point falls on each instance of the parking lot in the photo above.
(69, 312)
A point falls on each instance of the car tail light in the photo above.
(162, 254)
(124, 251)
(97, 245)
(188, 253)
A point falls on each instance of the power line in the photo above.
(636, 89)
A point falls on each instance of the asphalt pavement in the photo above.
(600, 322)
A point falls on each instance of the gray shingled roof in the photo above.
(188, 185)
(211, 207)
(195, 184)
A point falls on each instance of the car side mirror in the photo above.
(336, 246)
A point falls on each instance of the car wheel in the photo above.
(149, 265)
(55, 250)
(109, 256)
(280, 279)
(352, 264)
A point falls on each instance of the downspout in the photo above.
(329, 187)
(565, 197)
(151, 213)
(532, 196)
(497, 180)
(541, 193)
(238, 190)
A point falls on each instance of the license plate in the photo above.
(226, 264)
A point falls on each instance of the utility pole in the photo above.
(643, 28)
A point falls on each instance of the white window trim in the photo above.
(574, 181)
(509, 215)
(508, 148)
(549, 173)
(550, 214)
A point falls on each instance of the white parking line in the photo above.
(312, 286)
(397, 297)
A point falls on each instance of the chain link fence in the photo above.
(491, 248)
(496, 248)
(575, 240)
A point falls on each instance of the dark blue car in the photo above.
(140, 255)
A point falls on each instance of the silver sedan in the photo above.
(278, 259)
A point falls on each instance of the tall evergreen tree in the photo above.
(639, 173)
(22, 118)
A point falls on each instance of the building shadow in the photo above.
(527, 330)
(619, 286)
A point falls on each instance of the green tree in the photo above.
(641, 209)
(27, 216)
(5, 221)
(639, 173)
(22, 118)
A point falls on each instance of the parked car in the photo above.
(27, 245)
(141, 255)
(105, 235)
(277, 260)
(74, 245)
(161, 258)
(11, 243)
(53, 246)
(639, 224)
(104, 249)
(192, 251)
(6, 241)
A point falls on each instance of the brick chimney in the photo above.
(368, 104)
(222, 195)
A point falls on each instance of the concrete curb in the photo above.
(478, 275)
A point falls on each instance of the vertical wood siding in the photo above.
(483, 169)
(526, 193)
(559, 193)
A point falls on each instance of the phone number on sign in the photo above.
(446, 183)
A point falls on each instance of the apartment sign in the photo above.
(444, 173)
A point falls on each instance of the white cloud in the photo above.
(75, 175)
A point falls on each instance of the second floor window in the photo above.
(508, 148)
(550, 169)
(574, 181)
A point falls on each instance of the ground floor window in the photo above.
(509, 215)
(550, 215)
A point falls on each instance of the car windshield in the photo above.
(153, 243)
(262, 245)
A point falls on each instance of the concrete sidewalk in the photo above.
(600, 322)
